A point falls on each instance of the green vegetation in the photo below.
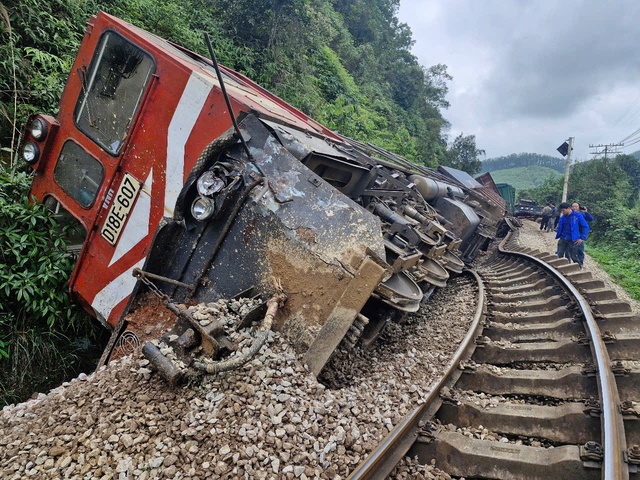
(43, 337)
(624, 270)
(345, 63)
(524, 178)
(516, 160)
(610, 189)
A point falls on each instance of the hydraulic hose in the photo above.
(261, 338)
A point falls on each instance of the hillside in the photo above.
(516, 160)
(524, 178)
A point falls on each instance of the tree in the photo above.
(463, 154)
(549, 191)
(604, 187)
(631, 166)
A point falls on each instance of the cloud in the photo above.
(536, 70)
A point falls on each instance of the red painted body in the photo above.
(181, 111)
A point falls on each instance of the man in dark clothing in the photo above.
(546, 215)
(572, 232)
(551, 224)
(576, 207)
(556, 217)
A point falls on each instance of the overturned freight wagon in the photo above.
(197, 190)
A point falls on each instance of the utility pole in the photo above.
(567, 168)
(610, 148)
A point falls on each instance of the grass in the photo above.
(623, 269)
(524, 178)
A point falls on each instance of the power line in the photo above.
(629, 108)
(632, 143)
(608, 149)
(628, 137)
(631, 120)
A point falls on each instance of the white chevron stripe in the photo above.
(184, 118)
(115, 292)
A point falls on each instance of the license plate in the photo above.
(120, 208)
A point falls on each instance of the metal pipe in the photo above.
(431, 189)
(161, 363)
(138, 273)
(389, 215)
(261, 338)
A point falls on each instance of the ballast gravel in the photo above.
(270, 419)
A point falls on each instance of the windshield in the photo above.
(78, 174)
(70, 229)
(112, 91)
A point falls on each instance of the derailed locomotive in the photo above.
(200, 190)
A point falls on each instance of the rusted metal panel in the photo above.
(355, 295)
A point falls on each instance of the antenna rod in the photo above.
(224, 93)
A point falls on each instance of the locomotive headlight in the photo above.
(38, 129)
(209, 183)
(30, 153)
(202, 208)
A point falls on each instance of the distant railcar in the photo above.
(527, 208)
(508, 192)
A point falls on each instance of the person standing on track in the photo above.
(572, 232)
(546, 216)
(551, 224)
(582, 210)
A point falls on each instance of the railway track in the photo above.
(545, 385)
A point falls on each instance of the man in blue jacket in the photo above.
(582, 210)
(572, 232)
(576, 207)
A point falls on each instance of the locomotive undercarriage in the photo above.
(348, 240)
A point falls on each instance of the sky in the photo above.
(529, 74)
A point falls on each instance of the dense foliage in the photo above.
(43, 337)
(517, 160)
(346, 63)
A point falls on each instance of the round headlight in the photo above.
(209, 183)
(202, 208)
(38, 129)
(30, 153)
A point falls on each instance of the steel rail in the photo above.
(613, 435)
(397, 443)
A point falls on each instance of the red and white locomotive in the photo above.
(145, 157)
